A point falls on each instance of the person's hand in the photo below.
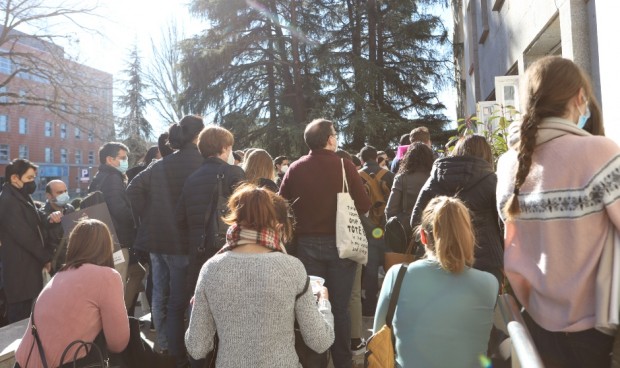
(323, 294)
(55, 217)
(48, 267)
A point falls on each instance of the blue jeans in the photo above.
(170, 300)
(370, 282)
(320, 257)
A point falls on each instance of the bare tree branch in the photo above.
(32, 61)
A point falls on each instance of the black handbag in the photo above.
(308, 357)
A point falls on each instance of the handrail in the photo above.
(524, 353)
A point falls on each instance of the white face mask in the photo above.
(283, 168)
(231, 158)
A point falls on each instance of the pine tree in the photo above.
(133, 127)
(266, 68)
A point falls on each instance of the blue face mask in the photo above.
(583, 119)
(62, 199)
(124, 165)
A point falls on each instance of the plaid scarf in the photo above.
(268, 238)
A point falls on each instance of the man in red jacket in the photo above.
(311, 184)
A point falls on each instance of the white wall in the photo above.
(608, 29)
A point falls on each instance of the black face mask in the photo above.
(29, 187)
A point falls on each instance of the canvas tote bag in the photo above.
(350, 236)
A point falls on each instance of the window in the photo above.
(23, 126)
(49, 155)
(5, 65)
(91, 136)
(78, 157)
(78, 133)
(63, 155)
(22, 96)
(63, 131)
(5, 152)
(4, 123)
(3, 96)
(91, 157)
(49, 129)
(23, 151)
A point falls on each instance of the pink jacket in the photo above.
(569, 213)
(75, 305)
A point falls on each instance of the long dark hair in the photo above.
(185, 131)
(419, 157)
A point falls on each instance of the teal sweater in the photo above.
(441, 319)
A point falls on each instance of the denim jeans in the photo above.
(581, 349)
(170, 300)
(370, 282)
(320, 257)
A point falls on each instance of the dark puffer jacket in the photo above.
(112, 184)
(472, 180)
(196, 199)
(197, 193)
(23, 250)
(154, 194)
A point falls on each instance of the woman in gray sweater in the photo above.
(247, 293)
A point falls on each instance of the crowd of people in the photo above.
(226, 241)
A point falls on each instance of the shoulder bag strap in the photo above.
(404, 193)
(394, 299)
(35, 333)
(395, 293)
(345, 185)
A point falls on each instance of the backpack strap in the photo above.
(380, 174)
(215, 195)
(365, 175)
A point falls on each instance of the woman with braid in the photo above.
(558, 191)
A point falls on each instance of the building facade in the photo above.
(496, 40)
(58, 126)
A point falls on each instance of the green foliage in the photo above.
(495, 130)
(265, 69)
(133, 127)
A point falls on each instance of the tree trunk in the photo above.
(299, 107)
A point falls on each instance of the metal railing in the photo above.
(523, 351)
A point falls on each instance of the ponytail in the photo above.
(451, 238)
(185, 131)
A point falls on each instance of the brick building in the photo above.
(63, 132)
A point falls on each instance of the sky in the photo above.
(125, 22)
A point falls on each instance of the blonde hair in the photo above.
(257, 165)
(451, 239)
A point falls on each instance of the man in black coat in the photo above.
(112, 182)
(23, 250)
(199, 194)
(56, 206)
